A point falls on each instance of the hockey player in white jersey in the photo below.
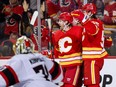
(29, 69)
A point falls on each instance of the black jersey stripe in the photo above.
(10, 75)
(5, 78)
(14, 74)
(55, 72)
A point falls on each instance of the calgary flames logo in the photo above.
(62, 46)
(64, 3)
(10, 21)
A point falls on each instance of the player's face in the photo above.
(61, 23)
(87, 14)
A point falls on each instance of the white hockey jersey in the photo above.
(30, 70)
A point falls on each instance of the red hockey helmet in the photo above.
(78, 14)
(65, 16)
(90, 7)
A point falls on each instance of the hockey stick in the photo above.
(48, 22)
(50, 45)
(34, 17)
(38, 30)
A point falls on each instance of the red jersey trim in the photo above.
(5, 78)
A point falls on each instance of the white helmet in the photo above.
(23, 45)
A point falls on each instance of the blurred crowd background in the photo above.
(15, 17)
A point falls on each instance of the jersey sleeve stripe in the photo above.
(14, 74)
(55, 72)
(5, 78)
(9, 76)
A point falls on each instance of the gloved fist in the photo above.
(47, 53)
(107, 41)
